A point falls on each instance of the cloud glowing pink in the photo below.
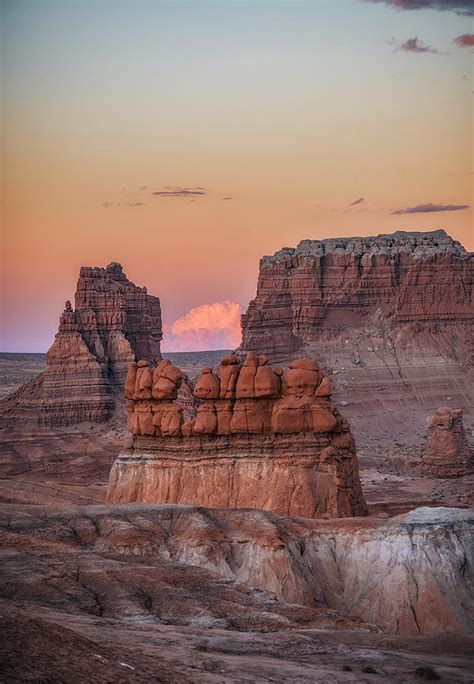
(209, 326)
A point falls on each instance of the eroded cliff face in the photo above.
(260, 438)
(409, 575)
(392, 316)
(113, 323)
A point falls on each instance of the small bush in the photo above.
(201, 647)
(427, 673)
(368, 669)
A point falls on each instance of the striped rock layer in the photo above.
(113, 323)
(261, 437)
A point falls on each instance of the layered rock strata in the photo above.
(447, 450)
(261, 438)
(392, 315)
(113, 323)
(412, 575)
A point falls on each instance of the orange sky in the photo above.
(292, 110)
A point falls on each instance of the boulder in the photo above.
(245, 388)
(208, 385)
(228, 373)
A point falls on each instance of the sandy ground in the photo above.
(16, 369)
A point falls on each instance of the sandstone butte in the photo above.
(260, 438)
(447, 451)
(391, 315)
(113, 323)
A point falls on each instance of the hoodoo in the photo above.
(113, 323)
(261, 437)
(447, 451)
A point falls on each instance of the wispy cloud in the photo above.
(463, 7)
(466, 40)
(181, 192)
(359, 200)
(136, 196)
(416, 46)
(430, 208)
(108, 205)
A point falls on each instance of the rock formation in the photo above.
(447, 451)
(113, 323)
(411, 575)
(392, 315)
(261, 438)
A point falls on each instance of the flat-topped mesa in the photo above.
(261, 437)
(393, 314)
(420, 244)
(447, 451)
(113, 323)
(323, 286)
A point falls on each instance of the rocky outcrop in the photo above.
(261, 438)
(113, 323)
(392, 316)
(410, 575)
(447, 450)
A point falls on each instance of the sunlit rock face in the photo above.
(113, 323)
(447, 451)
(392, 316)
(261, 437)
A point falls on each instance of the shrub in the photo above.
(427, 672)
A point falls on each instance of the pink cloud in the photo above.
(462, 7)
(209, 326)
(466, 40)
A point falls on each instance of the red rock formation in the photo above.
(338, 282)
(259, 439)
(393, 315)
(447, 451)
(411, 575)
(113, 323)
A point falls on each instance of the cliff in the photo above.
(260, 438)
(113, 323)
(411, 575)
(391, 315)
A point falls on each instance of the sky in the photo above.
(186, 140)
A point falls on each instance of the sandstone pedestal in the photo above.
(260, 438)
(447, 451)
